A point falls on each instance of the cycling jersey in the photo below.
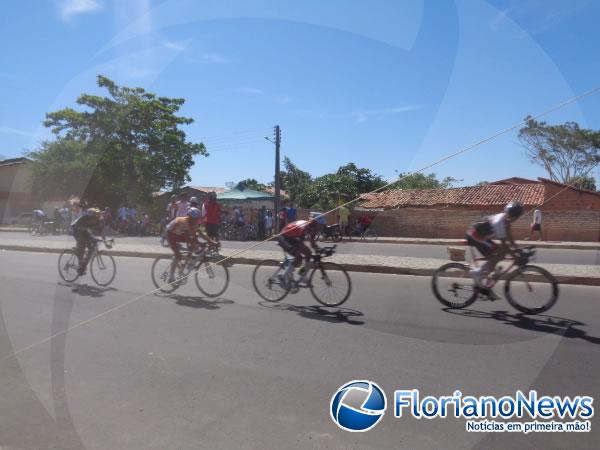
(295, 229)
(86, 221)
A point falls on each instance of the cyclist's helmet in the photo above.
(93, 212)
(193, 201)
(514, 210)
(194, 213)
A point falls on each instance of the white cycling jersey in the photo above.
(498, 223)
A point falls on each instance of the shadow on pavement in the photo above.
(87, 290)
(199, 302)
(334, 315)
(541, 323)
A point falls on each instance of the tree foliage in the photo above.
(130, 145)
(587, 182)
(422, 181)
(565, 151)
(251, 183)
(327, 191)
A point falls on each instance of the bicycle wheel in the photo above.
(212, 279)
(160, 275)
(453, 286)
(267, 279)
(103, 269)
(68, 263)
(336, 237)
(330, 284)
(531, 289)
(370, 235)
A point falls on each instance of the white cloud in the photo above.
(210, 58)
(178, 46)
(364, 115)
(285, 99)
(9, 130)
(498, 19)
(70, 8)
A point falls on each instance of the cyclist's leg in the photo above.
(173, 241)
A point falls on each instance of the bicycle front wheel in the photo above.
(212, 279)
(330, 284)
(531, 289)
(268, 281)
(68, 263)
(103, 269)
(453, 286)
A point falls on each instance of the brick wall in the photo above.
(452, 223)
(569, 199)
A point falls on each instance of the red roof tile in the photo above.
(486, 195)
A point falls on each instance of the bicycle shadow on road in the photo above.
(541, 323)
(332, 314)
(87, 290)
(199, 302)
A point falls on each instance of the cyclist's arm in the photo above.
(204, 236)
(312, 237)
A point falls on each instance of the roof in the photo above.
(574, 188)
(14, 161)
(486, 195)
(282, 193)
(246, 194)
(218, 190)
(514, 180)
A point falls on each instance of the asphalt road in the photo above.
(559, 256)
(139, 371)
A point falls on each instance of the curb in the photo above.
(364, 268)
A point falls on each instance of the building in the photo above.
(569, 213)
(15, 189)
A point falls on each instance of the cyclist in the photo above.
(184, 230)
(291, 240)
(84, 228)
(498, 226)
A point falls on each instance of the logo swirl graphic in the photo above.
(358, 406)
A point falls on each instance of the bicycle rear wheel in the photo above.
(103, 269)
(453, 286)
(68, 263)
(267, 279)
(531, 289)
(160, 275)
(212, 279)
(330, 284)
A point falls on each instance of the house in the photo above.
(569, 213)
(15, 189)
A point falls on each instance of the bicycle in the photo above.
(455, 288)
(102, 265)
(367, 235)
(323, 281)
(212, 279)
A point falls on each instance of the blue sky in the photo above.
(391, 88)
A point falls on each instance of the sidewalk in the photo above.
(565, 273)
(429, 241)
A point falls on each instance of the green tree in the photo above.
(422, 181)
(251, 183)
(565, 151)
(133, 137)
(582, 182)
(294, 180)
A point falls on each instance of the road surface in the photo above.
(142, 371)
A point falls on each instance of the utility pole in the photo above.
(277, 178)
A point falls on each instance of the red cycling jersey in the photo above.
(295, 229)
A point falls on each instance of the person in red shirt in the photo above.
(291, 240)
(211, 211)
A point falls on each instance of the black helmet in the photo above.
(514, 210)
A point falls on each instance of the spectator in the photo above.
(76, 211)
(536, 225)
(282, 218)
(291, 214)
(269, 224)
(144, 224)
(343, 216)
(262, 212)
(107, 217)
(172, 208)
(182, 206)
(212, 216)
